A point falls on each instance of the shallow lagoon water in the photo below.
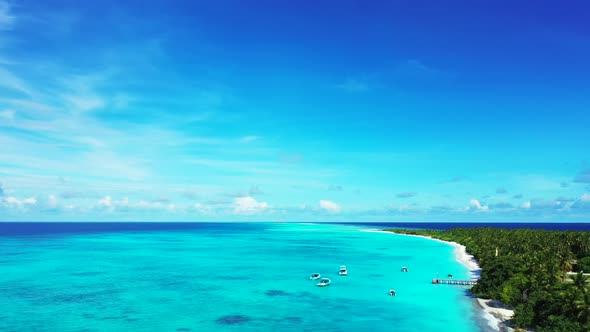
(223, 277)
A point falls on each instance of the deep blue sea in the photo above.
(448, 225)
(53, 228)
(229, 277)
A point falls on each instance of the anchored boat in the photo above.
(343, 271)
(314, 276)
(324, 282)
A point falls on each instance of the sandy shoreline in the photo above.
(494, 312)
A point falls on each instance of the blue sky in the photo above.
(302, 111)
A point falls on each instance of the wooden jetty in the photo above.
(454, 282)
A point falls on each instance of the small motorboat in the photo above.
(404, 269)
(315, 276)
(391, 292)
(343, 271)
(324, 282)
(450, 276)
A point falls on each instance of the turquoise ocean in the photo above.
(230, 277)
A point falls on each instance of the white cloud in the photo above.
(526, 205)
(150, 205)
(330, 206)
(30, 200)
(203, 209)
(153, 205)
(583, 203)
(247, 139)
(477, 206)
(52, 202)
(90, 141)
(416, 69)
(110, 204)
(106, 202)
(13, 202)
(83, 103)
(123, 202)
(406, 208)
(248, 205)
(6, 17)
(7, 114)
(12, 82)
(113, 164)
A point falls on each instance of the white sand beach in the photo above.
(497, 314)
(462, 256)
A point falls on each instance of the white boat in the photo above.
(343, 271)
(391, 292)
(404, 269)
(324, 282)
(314, 276)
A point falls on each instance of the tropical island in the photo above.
(538, 273)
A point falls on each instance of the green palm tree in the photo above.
(583, 307)
(579, 282)
(566, 258)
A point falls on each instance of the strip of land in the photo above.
(500, 313)
(539, 273)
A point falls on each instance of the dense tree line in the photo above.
(528, 270)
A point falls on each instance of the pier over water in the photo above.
(454, 282)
